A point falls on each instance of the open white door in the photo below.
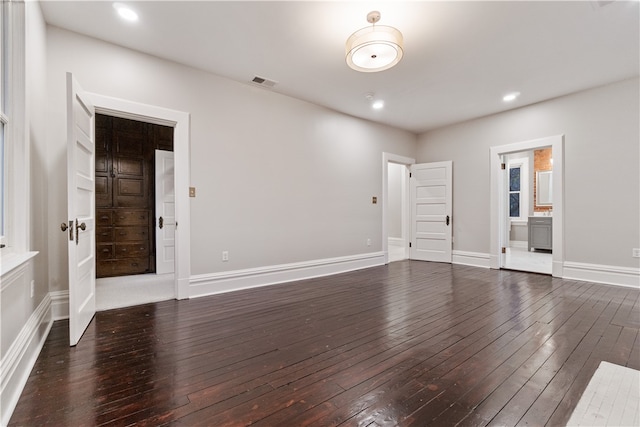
(80, 209)
(431, 203)
(165, 213)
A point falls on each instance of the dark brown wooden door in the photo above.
(125, 194)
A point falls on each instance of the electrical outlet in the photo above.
(225, 256)
(368, 242)
(635, 253)
(33, 285)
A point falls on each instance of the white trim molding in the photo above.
(607, 274)
(397, 241)
(59, 304)
(19, 360)
(523, 244)
(228, 281)
(474, 259)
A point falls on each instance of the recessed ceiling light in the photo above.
(125, 12)
(510, 96)
(377, 105)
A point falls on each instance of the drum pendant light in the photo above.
(374, 48)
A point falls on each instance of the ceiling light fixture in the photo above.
(125, 12)
(378, 105)
(510, 96)
(374, 48)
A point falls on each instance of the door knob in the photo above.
(82, 227)
(64, 227)
(160, 222)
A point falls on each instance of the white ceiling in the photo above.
(460, 57)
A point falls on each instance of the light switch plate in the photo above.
(192, 191)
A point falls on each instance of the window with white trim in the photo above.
(518, 186)
(514, 192)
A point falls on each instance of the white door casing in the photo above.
(180, 121)
(431, 211)
(80, 209)
(165, 212)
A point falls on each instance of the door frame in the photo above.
(401, 160)
(180, 122)
(498, 214)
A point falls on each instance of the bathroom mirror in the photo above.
(544, 194)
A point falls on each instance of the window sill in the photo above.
(519, 221)
(12, 261)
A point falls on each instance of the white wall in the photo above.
(36, 95)
(278, 180)
(602, 171)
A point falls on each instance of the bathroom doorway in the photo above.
(530, 211)
(544, 213)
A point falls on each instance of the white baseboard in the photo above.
(397, 241)
(519, 244)
(59, 305)
(19, 360)
(210, 284)
(607, 274)
(474, 259)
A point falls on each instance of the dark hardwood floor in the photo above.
(410, 344)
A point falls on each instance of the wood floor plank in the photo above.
(411, 343)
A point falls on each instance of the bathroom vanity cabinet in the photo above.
(540, 232)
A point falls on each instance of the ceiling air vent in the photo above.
(261, 81)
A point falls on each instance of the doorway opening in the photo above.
(396, 226)
(129, 229)
(396, 212)
(527, 201)
(530, 211)
(177, 284)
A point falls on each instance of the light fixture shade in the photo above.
(374, 48)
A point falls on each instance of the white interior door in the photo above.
(504, 205)
(81, 209)
(165, 212)
(431, 208)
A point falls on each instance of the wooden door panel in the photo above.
(130, 187)
(129, 144)
(130, 167)
(125, 236)
(104, 193)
